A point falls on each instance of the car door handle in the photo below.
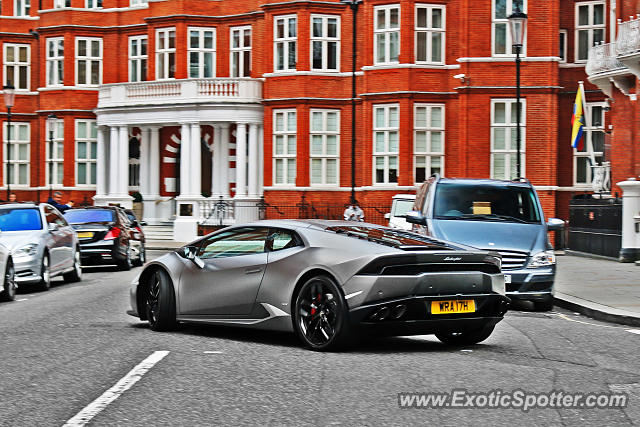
(252, 270)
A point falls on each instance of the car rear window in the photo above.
(401, 207)
(389, 237)
(20, 219)
(79, 216)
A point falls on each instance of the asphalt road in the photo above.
(64, 348)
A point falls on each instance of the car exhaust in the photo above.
(398, 311)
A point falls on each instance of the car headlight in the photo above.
(542, 259)
(26, 251)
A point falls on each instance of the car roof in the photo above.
(93, 207)
(485, 181)
(405, 196)
(306, 223)
(18, 205)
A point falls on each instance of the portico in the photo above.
(231, 107)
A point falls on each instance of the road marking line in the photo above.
(212, 352)
(95, 407)
(585, 323)
(634, 331)
(22, 299)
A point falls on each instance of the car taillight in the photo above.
(139, 229)
(113, 233)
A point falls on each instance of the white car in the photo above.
(402, 203)
(8, 285)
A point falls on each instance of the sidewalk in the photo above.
(601, 289)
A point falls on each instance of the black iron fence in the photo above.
(311, 210)
(595, 226)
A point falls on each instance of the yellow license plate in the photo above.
(85, 235)
(453, 306)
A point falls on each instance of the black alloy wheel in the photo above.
(470, 337)
(74, 275)
(160, 302)
(320, 315)
(142, 257)
(9, 286)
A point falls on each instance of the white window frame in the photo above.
(53, 161)
(240, 50)
(16, 64)
(429, 154)
(386, 154)
(587, 138)
(56, 61)
(386, 32)
(323, 157)
(138, 58)
(90, 140)
(509, 52)
(21, 7)
(510, 127)
(324, 40)
(201, 51)
(430, 31)
(93, 4)
(562, 53)
(285, 157)
(165, 53)
(591, 27)
(89, 60)
(285, 41)
(61, 4)
(134, 3)
(15, 162)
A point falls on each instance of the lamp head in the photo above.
(51, 121)
(9, 93)
(518, 26)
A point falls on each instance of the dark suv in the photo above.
(500, 216)
(106, 236)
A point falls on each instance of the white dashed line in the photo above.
(212, 352)
(22, 299)
(95, 407)
(634, 331)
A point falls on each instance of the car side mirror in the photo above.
(190, 254)
(415, 217)
(143, 223)
(53, 227)
(555, 224)
(387, 216)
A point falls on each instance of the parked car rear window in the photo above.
(485, 202)
(79, 216)
(20, 219)
(387, 236)
(401, 207)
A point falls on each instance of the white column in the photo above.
(195, 180)
(216, 175)
(224, 159)
(185, 153)
(154, 161)
(254, 167)
(123, 162)
(114, 149)
(261, 161)
(101, 163)
(241, 160)
(144, 162)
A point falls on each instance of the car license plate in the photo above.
(85, 235)
(507, 278)
(453, 306)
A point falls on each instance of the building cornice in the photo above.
(510, 59)
(309, 3)
(208, 18)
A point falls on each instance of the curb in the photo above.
(597, 311)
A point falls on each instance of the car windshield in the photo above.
(401, 207)
(511, 203)
(20, 219)
(79, 216)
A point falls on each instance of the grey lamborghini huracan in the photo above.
(327, 281)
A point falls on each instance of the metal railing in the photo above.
(628, 40)
(216, 211)
(602, 59)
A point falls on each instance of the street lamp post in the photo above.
(9, 98)
(518, 26)
(353, 4)
(51, 122)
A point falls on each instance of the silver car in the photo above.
(326, 281)
(41, 242)
(8, 288)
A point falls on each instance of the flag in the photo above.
(577, 120)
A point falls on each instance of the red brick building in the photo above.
(188, 102)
